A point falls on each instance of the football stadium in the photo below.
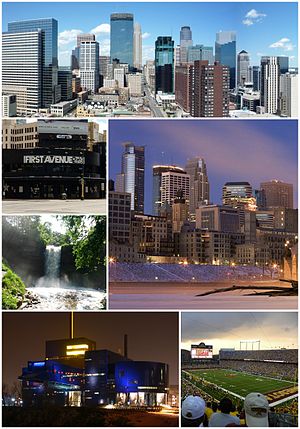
(234, 373)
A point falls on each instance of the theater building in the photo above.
(74, 373)
(63, 162)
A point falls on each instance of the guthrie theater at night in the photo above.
(53, 159)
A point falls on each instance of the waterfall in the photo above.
(52, 264)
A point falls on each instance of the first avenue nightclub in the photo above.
(52, 159)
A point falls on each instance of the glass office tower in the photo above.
(164, 64)
(121, 38)
(225, 53)
(50, 87)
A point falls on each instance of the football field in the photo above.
(240, 383)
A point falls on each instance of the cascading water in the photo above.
(52, 265)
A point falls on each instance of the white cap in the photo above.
(256, 410)
(193, 407)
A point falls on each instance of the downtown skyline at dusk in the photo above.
(233, 151)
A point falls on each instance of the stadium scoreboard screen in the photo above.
(201, 351)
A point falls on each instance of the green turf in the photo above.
(239, 382)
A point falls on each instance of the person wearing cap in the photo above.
(224, 418)
(256, 408)
(193, 411)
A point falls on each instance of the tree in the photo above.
(87, 236)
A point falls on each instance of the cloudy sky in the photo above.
(264, 28)
(234, 150)
(227, 329)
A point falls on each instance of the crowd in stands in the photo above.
(277, 370)
(201, 409)
(285, 355)
(150, 272)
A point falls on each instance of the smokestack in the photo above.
(125, 346)
(71, 325)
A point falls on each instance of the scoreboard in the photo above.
(201, 351)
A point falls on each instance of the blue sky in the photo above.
(262, 28)
(234, 150)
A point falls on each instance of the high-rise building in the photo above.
(243, 62)
(179, 212)
(134, 83)
(200, 52)
(22, 69)
(278, 194)
(283, 64)
(137, 47)
(85, 37)
(225, 53)
(104, 60)
(164, 64)
(121, 38)
(217, 218)
(209, 90)
(185, 42)
(199, 185)
(133, 175)
(9, 105)
(48, 28)
(157, 171)
(270, 78)
(89, 66)
(254, 77)
(288, 95)
(149, 71)
(119, 76)
(65, 82)
(171, 183)
(238, 195)
(182, 86)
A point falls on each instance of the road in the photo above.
(54, 206)
(182, 296)
(152, 104)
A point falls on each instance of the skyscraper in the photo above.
(238, 195)
(209, 90)
(85, 37)
(278, 194)
(288, 95)
(199, 185)
(171, 183)
(133, 175)
(164, 64)
(157, 171)
(270, 79)
(121, 38)
(243, 62)
(254, 76)
(48, 27)
(225, 53)
(185, 42)
(89, 66)
(200, 52)
(137, 47)
(22, 69)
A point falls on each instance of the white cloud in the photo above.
(101, 29)
(284, 44)
(104, 47)
(148, 53)
(252, 17)
(68, 36)
(146, 35)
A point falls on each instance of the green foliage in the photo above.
(48, 236)
(13, 289)
(87, 236)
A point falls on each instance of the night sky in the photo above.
(234, 150)
(226, 329)
(151, 336)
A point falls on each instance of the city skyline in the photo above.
(272, 22)
(164, 146)
(226, 330)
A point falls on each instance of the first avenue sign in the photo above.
(53, 159)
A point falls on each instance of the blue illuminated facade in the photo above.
(75, 374)
(121, 38)
(49, 28)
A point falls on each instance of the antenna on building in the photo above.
(72, 325)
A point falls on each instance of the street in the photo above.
(54, 206)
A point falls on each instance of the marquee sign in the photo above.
(53, 159)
